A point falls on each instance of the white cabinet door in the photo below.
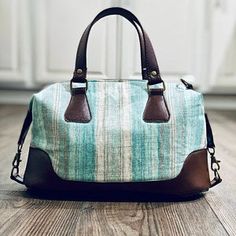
(58, 28)
(175, 31)
(222, 66)
(14, 42)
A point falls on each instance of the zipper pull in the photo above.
(186, 84)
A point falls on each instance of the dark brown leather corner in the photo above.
(194, 176)
(78, 109)
(193, 179)
(156, 109)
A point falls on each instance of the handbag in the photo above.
(133, 136)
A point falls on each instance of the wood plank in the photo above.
(37, 217)
(11, 120)
(222, 198)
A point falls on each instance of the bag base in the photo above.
(193, 179)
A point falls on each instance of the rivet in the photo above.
(153, 73)
(79, 71)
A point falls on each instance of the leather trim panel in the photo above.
(193, 178)
(78, 109)
(156, 109)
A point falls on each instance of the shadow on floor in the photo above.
(107, 197)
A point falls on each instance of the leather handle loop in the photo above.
(150, 69)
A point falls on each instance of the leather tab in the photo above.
(156, 109)
(78, 110)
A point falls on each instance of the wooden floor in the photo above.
(213, 214)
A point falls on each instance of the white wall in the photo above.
(39, 39)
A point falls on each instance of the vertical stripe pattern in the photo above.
(117, 145)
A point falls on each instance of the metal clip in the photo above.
(15, 166)
(215, 163)
(16, 160)
(215, 167)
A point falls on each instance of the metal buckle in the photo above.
(71, 86)
(161, 89)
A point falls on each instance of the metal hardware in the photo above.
(153, 74)
(73, 90)
(79, 71)
(215, 167)
(162, 89)
(15, 166)
(215, 163)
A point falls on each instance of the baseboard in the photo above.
(17, 97)
(220, 101)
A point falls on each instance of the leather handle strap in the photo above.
(25, 128)
(78, 111)
(150, 69)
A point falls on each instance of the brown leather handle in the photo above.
(78, 109)
(149, 65)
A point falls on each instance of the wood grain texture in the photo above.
(223, 198)
(22, 214)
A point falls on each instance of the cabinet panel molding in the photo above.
(14, 41)
(57, 34)
(174, 29)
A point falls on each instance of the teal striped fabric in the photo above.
(117, 145)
